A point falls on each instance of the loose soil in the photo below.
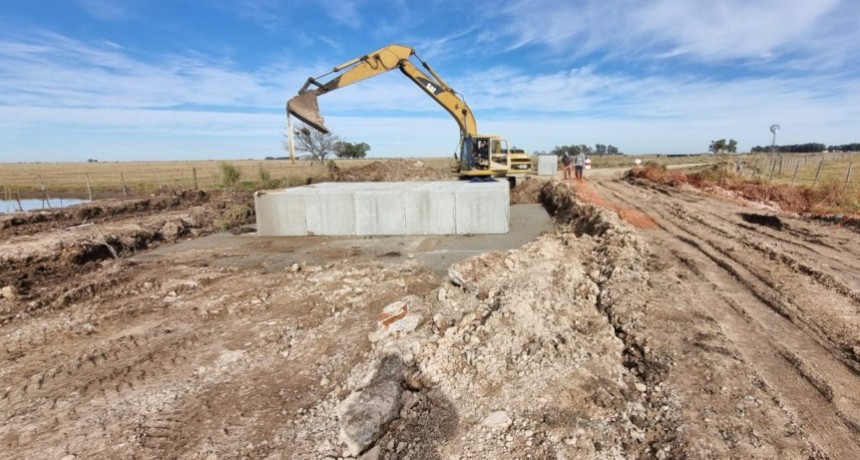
(706, 333)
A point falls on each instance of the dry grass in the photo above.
(106, 179)
(830, 195)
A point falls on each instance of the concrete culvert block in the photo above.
(385, 208)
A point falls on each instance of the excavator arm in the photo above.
(305, 107)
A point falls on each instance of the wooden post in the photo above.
(848, 176)
(290, 139)
(194, 175)
(18, 199)
(124, 188)
(772, 169)
(817, 172)
(89, 187)
(794, 176)
(45, 196)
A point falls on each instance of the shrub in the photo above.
(229, 175)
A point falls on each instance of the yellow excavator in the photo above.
(481, 155)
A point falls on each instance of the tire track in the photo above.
(797, 295)
(810, 377)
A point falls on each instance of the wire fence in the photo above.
(112, 180)
(833, 170)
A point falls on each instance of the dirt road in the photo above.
(705, 330)
(783, 291)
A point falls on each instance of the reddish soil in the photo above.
(585, 191)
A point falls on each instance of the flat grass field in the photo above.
(143, 177)
(108, 179)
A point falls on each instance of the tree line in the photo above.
(599, 149)
(808, 147)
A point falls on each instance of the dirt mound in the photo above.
(824, 199)
(394, 170)
(527, 190)
(502, 319)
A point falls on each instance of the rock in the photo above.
(456, 278)
(9, 292)
(88, 328)
(640, 387)
(499, 419)
(364, 415)
(174, 229)
(375, 453)
(397, 318)
(68, 457)
(295, 267)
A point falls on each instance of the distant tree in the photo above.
(349, 150)
(717, 146)
(317, 144)
(599, 149)
(732, 146)
(853, 147)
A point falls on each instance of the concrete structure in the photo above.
(547, 165)
(385, 208)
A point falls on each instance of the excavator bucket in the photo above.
(305, 108)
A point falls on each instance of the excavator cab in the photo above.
(484, 156)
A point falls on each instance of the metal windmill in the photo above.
(774, 128)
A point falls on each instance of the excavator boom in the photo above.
(305, 107)
(480, 155)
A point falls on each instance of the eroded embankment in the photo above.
(533, 350)
(40, 251)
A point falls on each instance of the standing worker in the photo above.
(565, 161)
(580, 165)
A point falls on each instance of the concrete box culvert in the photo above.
(547, 165)
(385, 208)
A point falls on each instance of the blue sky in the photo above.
(185, 79)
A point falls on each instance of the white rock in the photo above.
(499, 419)
(9, 292)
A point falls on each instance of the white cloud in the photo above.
(701, 30)
(57, 71)
(108, 10)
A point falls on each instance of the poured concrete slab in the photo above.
(385, 208)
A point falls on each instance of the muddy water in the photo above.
(32, 204)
